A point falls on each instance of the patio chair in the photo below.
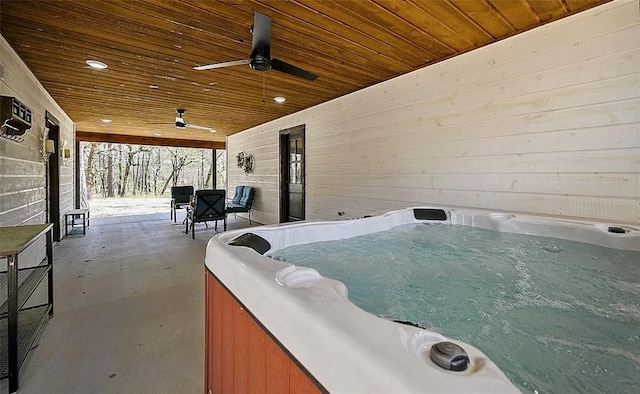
(242, 201)
(180, 197)
(209, 206)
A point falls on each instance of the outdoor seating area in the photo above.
(209, 205)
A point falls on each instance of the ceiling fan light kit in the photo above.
(260, 58)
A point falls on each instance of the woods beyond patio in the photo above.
(129, 313)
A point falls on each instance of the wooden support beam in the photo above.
(143, 140)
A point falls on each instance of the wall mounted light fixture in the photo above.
(65, 153)
(49, 147)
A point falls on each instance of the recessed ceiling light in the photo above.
(96, 64)
(279, 99)
(106, 120)
(154, 86)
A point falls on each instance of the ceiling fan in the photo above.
(181, 124)
(260, 59)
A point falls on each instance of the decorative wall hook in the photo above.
(245, 161)
(240, 159)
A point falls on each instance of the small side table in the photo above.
(76, 214)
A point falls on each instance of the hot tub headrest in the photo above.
(429, 214)
(252, 241)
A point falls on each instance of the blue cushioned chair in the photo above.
(242, 200)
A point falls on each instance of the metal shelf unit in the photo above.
(21, 326)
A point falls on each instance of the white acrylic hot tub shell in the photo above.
(345, 348)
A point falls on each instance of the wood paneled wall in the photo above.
(545, 122)
(22, 172)
(240, 357)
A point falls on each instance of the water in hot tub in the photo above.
(556, 316)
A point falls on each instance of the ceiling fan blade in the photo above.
(193, 126)
(284, 67)
(261, 35)
(223, 64)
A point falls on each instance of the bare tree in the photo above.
(110, 191)
(156, 173)
(221, 169)
(180, 158)
(131, 161)
(89, 171)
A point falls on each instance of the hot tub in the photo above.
(330, 342)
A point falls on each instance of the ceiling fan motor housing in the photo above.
(180, 123)
(260, 62)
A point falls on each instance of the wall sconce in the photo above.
(49, 147)
(65, 153)
(245, 161)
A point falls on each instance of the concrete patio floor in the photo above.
(129, 310)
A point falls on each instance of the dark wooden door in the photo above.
(292, 153)
(53, 178)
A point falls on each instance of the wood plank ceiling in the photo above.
(151, 47)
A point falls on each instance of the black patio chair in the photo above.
(209, 206)
(180, 197)
(242, 200)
